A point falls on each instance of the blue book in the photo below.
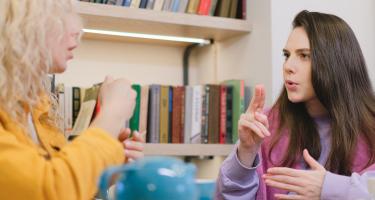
(143, 4)
(126, 3)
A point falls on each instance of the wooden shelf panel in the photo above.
(188, 149)
(117, 18)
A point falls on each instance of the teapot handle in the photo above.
(106, 177)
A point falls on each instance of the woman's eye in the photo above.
(286, 55)
(305, 56)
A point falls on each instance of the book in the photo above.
(126, 3)
(229, 115)
(167, 5)
(143, 4)
(150, 4)
(86, 111)
(68, 113)
(176, 119)
(204, 7)
(223, 114)
(213, 7)
(164, 114)
(135, 3)
(76, 102)
(134, 120)
(158, 5)
(153, 119)
(183, 5)
(238, 104)
(192, 7)
(222, 9)
(61, 109)
(213, 114)
(205, 110)
(175, 5)
(233, 8)
(193, 114)
(143, 110)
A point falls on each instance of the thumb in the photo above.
(315, 165)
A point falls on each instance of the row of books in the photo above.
(168, 114)
(221, 8)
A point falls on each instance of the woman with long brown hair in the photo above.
(317, 141)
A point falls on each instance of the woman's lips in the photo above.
(290, 85)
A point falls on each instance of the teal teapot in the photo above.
(151, 178)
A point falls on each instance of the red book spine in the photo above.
(204, 7)
(223, 114)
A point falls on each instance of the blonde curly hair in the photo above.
(25, 53)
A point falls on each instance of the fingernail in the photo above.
(127, 143)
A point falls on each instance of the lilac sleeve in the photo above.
(237, 181)
(345, 187)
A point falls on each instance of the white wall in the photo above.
(140, 63)
(360, 15)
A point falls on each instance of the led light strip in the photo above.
(149, 36)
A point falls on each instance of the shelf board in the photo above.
(188, 149)
(117, 18)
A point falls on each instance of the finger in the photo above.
(256, 100)
(108, 79)
(283, 186)
(133, 154)
(124, 134)
(288, 196)
(311, 161)
(262, 118)
(262, 99)
(138, 136)
(133, 145)
(286, 171)
(264, 130)
(285, 179)
(246, 124)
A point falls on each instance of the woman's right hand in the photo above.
(117, 100)
(252, 128)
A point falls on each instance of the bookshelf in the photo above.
(242, 51)
(124, 19)
(188, 149)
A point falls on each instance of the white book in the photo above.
(193, 114)
(158, 5)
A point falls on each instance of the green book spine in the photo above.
(238, 104)
(134, 120)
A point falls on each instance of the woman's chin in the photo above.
(294, 99)
(57, 69)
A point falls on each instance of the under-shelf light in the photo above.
(149, 36)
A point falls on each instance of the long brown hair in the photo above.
(341, 83)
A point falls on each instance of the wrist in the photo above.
(109, 123)
(247, 155)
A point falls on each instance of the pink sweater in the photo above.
(236, 181)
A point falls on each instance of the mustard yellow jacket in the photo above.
(54, 169)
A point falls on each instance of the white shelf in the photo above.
(117, 18)
(188, 149)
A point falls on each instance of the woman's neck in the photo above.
(315, 108)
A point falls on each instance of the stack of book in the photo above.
(220, 8)
(168, 114)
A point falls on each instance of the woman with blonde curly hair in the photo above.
(37, 38)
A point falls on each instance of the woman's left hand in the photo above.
(306, 184)
(133, 146)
